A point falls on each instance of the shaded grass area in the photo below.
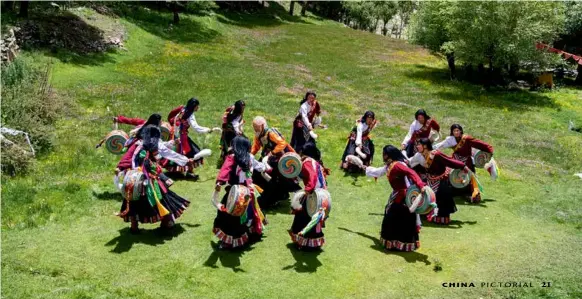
(61, 240)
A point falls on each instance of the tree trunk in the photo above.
(513, 70)
(451, 62)
(579, 77)
(8, 5)
(291, 7)
(24, 9)
(175, 10)
(304, 8)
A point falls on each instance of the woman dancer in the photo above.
(437, 176)
(400, 228)
(156, 201)
(233, 231)
(360, 147)
(420, 128)
(182, 119)
(462, 145)
(306, 120)
(232, 122)
(304, 232)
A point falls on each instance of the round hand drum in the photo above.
(238, 200)
(459, 179)
(132, 187)
(428, 199)
(319, 199)
(165, 129)
(290, 165)
(480, 158)
(115, 141)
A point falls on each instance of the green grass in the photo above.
(60, 238)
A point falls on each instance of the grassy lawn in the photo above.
(60, 238)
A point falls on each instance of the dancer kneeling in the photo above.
(310, 206)
(359, 151)
(148, 198)
(239, 214)
(437, 177)
(400, 227)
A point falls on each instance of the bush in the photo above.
(29, 105)
(200, 7)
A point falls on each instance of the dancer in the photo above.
(233, 228)
(462, 145)
(400, 227)
(155, 201)
(273, 147)
(305, 231)
(232, 126)
(437, 177)
(306, 121)
(420, 128)
(182, 118)
(359, 151)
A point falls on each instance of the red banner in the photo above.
(565, 55)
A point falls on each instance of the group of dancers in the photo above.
(252, 183)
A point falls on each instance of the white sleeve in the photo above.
(409, 135)
(376, 171)
(359, 131)
(417, 159)
(236, 125)
(196, 126)
(304, 110)
(171, 155)
(447, 143)
(258, 166)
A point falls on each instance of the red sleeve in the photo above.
(130, 121)
(309, 177)
(224, 173)
(173, 114)
(450, 162)
(411, 175)
(435, 125)
(480, 145)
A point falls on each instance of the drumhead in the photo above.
(238, 199)
(480, 158)
(165, 129)
(456, 177)
(290, 165)
(115, 141)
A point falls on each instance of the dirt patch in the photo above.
(301, 71)
(296, 90)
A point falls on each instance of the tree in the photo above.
(24, 9)
(499, 34)
(571, 40)
(304, 8)
(385, 10)
(175, 11)
(291, 7)
(431, 29)
(405, 10)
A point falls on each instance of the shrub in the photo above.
(29, 105)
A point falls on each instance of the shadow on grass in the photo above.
(462, 200)
(464, 91)
(305, 260)
(229, 258)
(271, 16)
(409, 257)
(355, 177)
(154, 237)
(280, 207)
(108, 196)
(454, 224)
(161, 24)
